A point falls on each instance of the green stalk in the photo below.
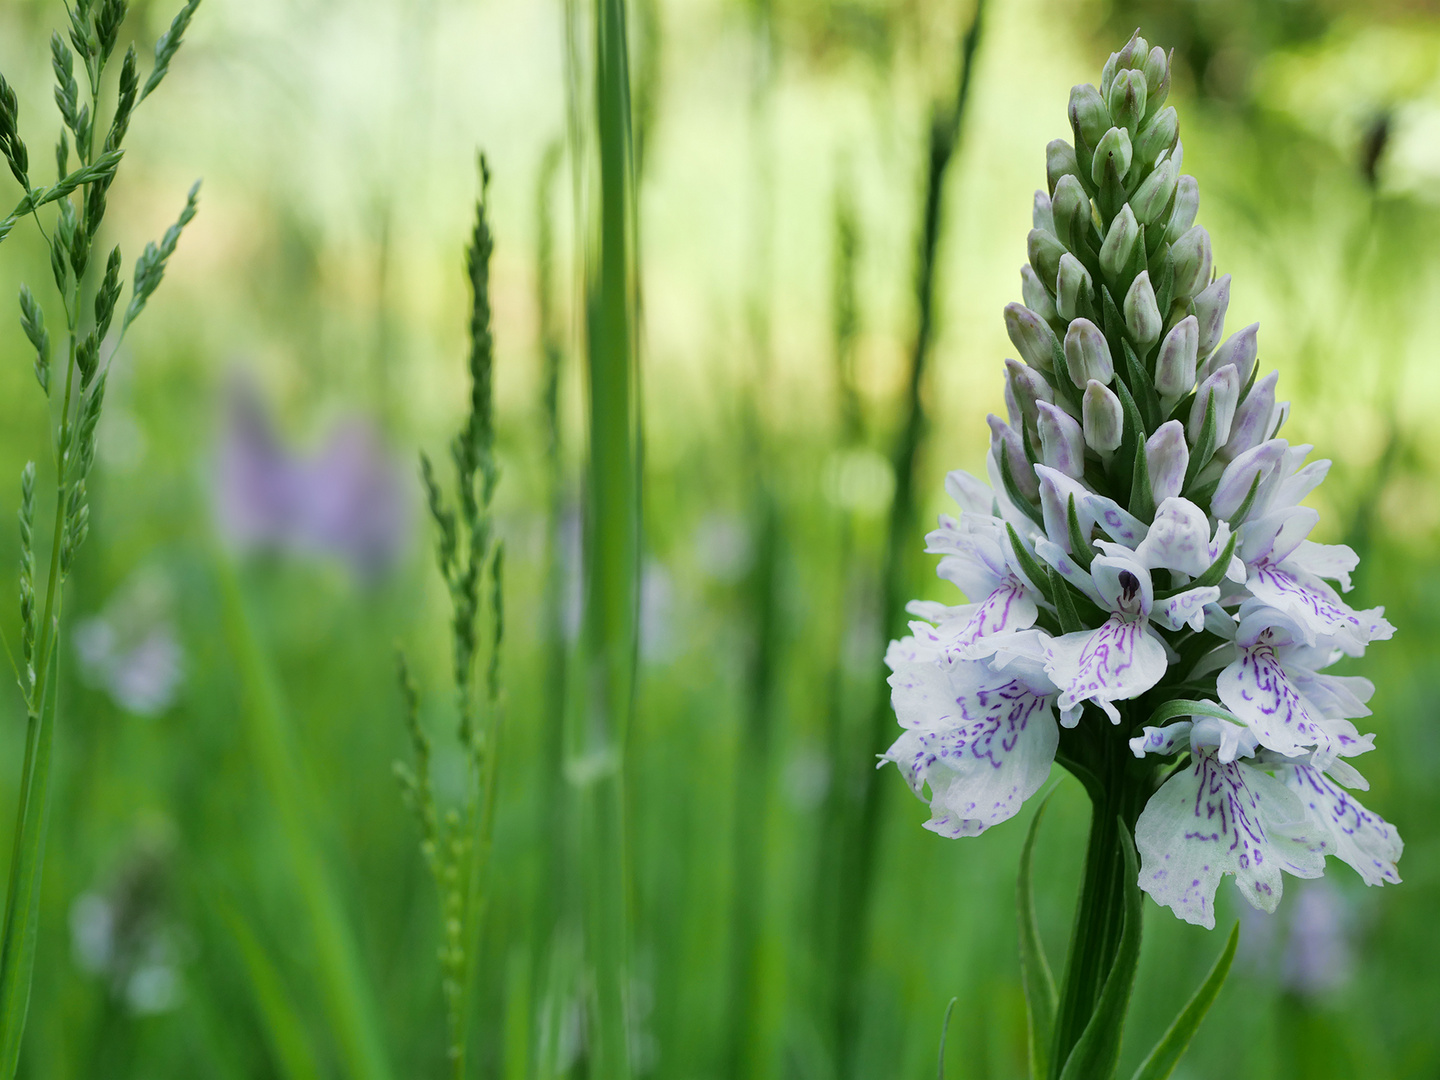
(345, 991)
(946, 130)
(612, 548)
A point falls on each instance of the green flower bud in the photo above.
(1154, 194)
(1210, 306)
(1089, 118)
(1157, 136)
(1107, 73)
(1037, 297)
(1044, 251)
(1040, 215)
(1142, 314)
(1114, 145)
(1119, 242)
(1059, 161)
(1070, 210)
(1024, 387)
(1157, 78)
(1074, 288)
(1087, 354)
(1192, 258)
(1032, 338)
(1126, 99)
(1187, 203)
(1175, 366)
(1102, 418)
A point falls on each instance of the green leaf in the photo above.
(1098, 1051)
(1164, 279)
(1132, 443)
(1064, 604)
(1142, 386)
(1012, 489)
(22, 910)
(1245, 506)
(1204, 449)
(1172, 710)
(1064, 384)
(1040, 997)
(1172, 1045)
(1080, 547)
(1211, 576)
(1114, 325)
(944, 1035)
(1032, 569)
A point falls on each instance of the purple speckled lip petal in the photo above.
(1318, 608)
(1215, 819)
(1120, 660)
(1366, 841)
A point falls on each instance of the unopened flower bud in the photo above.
(1187, 204)
(1107, 73)
(1088, 115)
(1006, 445)
(1175, 366)
(1070, 211)
(1032, 338)
(1167, 456)
(1059, 161)
(1126, 100)
(1220, 393)
(1157, 77)
(1240, 349)
(1040, 215)
(1119, 242)
(1210, 305)
(1027, 387)
(1062, 440)
(1133, 53)
(1157, 136)
(1104, 419)
(1087, 355)
(1191, 256)
(1114, 146)
(1142, 315)
(1044, 251)
(1037, 297)
(1254, 419)
(1074, 288)
(1153, 196)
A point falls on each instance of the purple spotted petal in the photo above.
(1179, 539)
(1318, 608)
(1188, 608)
(1258, 689)
(1366, 841)
(1215, 819)
(1120, 660)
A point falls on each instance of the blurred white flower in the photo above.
(130, 649)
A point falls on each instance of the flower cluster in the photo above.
(1147, 606)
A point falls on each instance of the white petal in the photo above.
(1060, 559)
(1007, 609)
(1366, 841)
(1212, 820)
(1332, 561)
(1257, 689)
(970, 493)
(1318, 608)
(1163, 741)
(993, 752)
(1123, 582)
(1120, 660)
(1179, 539)
(1187, 607)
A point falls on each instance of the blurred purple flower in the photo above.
(347, 500)
(1309, 947)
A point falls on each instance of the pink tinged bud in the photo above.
(1142, 316)
(1187, 203)
(1175, 366)
(1044, 251)
(1027, 387)
(1040, 213)
(1088, 114)
(1133, 52)
(1157, 136)
(1087, 354)
(1070, 210)
(1037, 298)
(1240, 349)
(1059, 161)
(1153, 196)
(1239, 476)
(1254, 419)
(1005, 441)
(1062, 441)
(1166, 458)
(1127, 99)
(1104, 419)
(1220, 392)
(1119, 242)
(1191, 256)
(1114, 146)
(1074, 287)
(1210, 306)
(1030, 335)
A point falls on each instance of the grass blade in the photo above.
(1040, 996)
(1173, 1044)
